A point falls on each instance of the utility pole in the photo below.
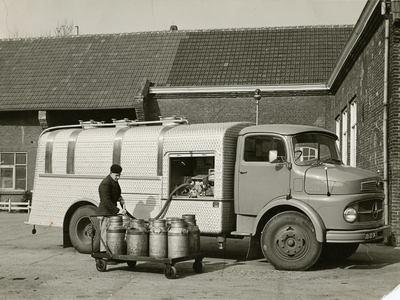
(257, 97)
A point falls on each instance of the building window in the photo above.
(13, 170)
(353, 133)
(337, 121)
(344, 137)
(308, 153)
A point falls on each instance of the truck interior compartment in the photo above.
(196, 170)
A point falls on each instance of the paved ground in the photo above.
(37, 267)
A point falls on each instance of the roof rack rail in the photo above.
(168, 121)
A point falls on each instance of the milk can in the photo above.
(194, 233)
(137, 238)
(116, 235)
(158, 239)
(149, 223)
(125, 221)
(178, 239)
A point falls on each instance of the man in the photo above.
(110, 195)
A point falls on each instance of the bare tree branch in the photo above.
(64, 29)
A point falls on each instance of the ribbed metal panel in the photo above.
(53, 196)
(60, 149)
(94, 151)
(139, 149)
(212, 217)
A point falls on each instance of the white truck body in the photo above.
(72, 162)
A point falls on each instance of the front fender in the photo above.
(80, 202)
(284, 205)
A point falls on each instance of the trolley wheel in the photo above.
(131, 263)
(170, 272)
(199, 266)
(101, 265)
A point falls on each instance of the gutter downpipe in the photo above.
(384, 125)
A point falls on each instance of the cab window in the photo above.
(257, 148)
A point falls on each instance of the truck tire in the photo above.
(335, 252)
(288, 242)
(80, 230)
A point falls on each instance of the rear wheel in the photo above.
(288, 242)
(80, 230)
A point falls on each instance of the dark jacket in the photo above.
(110, 193)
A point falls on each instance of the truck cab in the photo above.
(296, 197)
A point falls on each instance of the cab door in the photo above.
(261, 180)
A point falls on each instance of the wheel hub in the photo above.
(290, 242)
(85, 229)
(88, 230)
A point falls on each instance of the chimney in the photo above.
(173, 28)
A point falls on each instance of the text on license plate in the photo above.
(370, 235)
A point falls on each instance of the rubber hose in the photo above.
(166, 205)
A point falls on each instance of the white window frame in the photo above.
(353, 134)
(13, 167)
(312, 153)
(337, 121)
(344, 136)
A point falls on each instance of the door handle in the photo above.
(243, 172)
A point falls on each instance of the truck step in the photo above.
(240, 233)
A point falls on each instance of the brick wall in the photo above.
(305, 110)
(365, 84)
(65, 117)
(394, 133)
(19, 132)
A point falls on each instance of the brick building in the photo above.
(365, 106)
(341, 78)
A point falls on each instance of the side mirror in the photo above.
(273, 156)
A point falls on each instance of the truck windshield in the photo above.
(315, 148)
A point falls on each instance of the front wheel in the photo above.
(288, 242)
(80, 230)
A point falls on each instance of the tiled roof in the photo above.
(103, 71)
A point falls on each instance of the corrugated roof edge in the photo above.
(183, 31)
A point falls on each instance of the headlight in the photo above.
(350, 214)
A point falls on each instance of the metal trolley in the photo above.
(170, 271)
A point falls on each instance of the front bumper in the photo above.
(358, 236)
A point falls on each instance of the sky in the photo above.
(35, 18)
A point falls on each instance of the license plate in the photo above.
(370, 235)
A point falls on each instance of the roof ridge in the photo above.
(182, 31)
